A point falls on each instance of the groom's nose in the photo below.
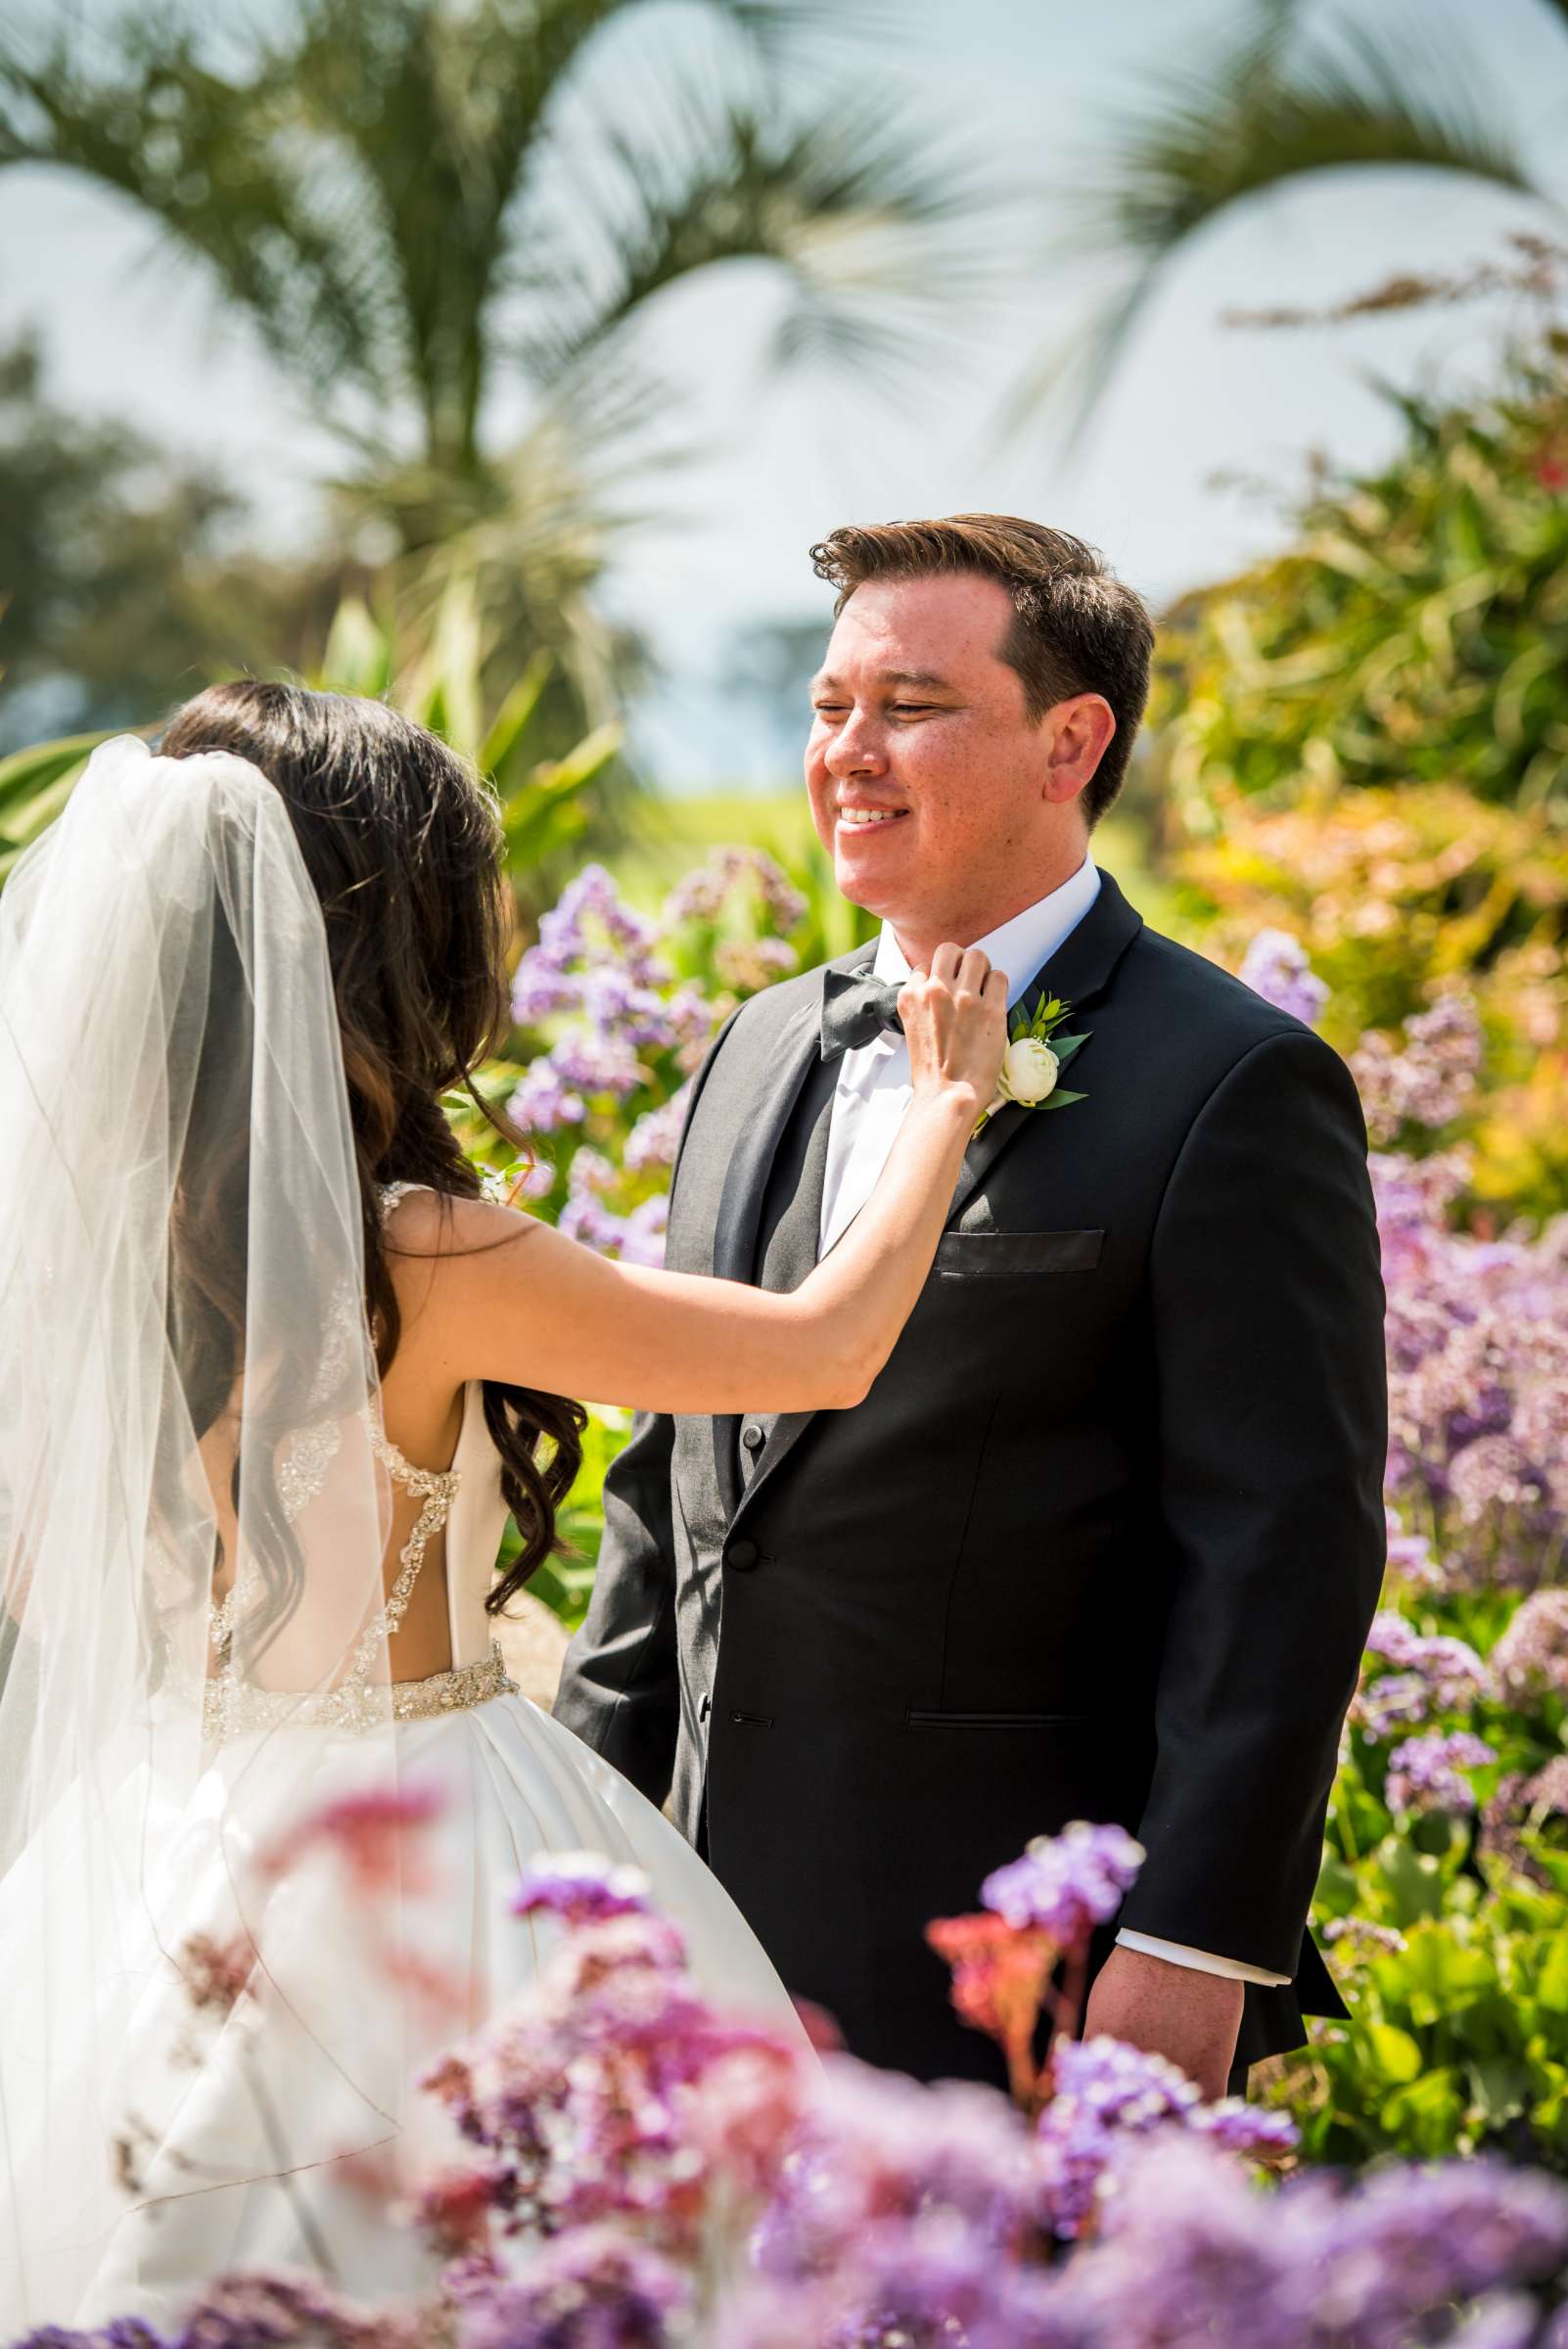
(856, 750)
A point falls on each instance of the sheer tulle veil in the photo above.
(191, 1524)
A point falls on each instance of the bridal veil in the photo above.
(192, 1528)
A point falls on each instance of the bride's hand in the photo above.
(954, 1018)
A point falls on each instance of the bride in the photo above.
(274, 1375)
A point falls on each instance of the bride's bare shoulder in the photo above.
(437, 1225)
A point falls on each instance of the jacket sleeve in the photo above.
(619, 1689)
(1271, 1399)
(620, 1684)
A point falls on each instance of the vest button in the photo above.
(752, 1438)
(742, 1556)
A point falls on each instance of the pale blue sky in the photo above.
(130, 333)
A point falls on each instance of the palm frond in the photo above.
(153, 121)
(1270, 114)
(860, 224)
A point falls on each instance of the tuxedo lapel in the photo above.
(1079, 971)
(740, 1205)
(795, 1052)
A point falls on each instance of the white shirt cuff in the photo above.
(1202, 1962)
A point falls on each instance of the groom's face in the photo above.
(928, 776)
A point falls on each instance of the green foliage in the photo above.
(1416, 632)
(565, 1584)
(1458, 2035)
(1365, 742)
(544, 801)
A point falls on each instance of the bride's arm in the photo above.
(541, 1311)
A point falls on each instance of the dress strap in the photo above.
(390, 1193)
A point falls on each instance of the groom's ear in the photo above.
(1079, 732)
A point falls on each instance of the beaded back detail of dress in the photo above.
(232, 1707)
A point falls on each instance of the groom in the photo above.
(1105, 1536)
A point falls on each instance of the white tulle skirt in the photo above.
(204, 2196)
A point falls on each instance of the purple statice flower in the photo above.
(1413, 2240)
(873, 2147)
(540, 986)
(1108, 2097)
(585, 1218)
(1502, 2321)
(1106, 2094)
(1410, 1555)
(124, 2333)
(597, 1061)
(591, 1172)
(1423, 1773)
(543, 1102)
(1275, 967)
(1392, 1637)
(1438, 1674)
(593, 2288)
(1519, 1805)
(694, 1016)
(1477, 1346)
(259, 2311)
(591, 914)
(617, 1004)
(655, 1136)
(1430, 1078)
(642, 1239)
(1452, 1670)
(1066, 1884)
(929, 2282)
(611, 2092)
(1256, 2132)
(1531, 1659)
(1188, 2253)
(1397, 1700)
(700, 895)
(582, 1888)
(753, 963)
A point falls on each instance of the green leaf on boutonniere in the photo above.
(1060, 1098)
(1064, 1046)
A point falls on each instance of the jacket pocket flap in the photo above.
(1019, 1250)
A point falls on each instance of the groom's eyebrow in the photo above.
(886, 676)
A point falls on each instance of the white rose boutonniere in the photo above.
(1033, 1063)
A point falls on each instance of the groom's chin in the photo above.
(874, 875)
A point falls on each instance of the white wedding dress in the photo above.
(189, 1380)
(512, 1784)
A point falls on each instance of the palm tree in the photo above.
(1279, 104)
(421, 203)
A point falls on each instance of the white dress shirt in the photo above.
(872, 1094)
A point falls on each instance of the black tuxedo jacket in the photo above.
(1103, 1542)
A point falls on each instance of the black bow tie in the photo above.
(856, 1009)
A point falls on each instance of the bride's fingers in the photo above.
(995, 991)
(945, 964)
(972, 970)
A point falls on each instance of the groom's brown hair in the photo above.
(1076, 628)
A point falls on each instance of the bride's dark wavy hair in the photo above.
(402, 844)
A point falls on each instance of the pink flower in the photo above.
(373, 1835)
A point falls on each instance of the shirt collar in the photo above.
(1021, 947)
